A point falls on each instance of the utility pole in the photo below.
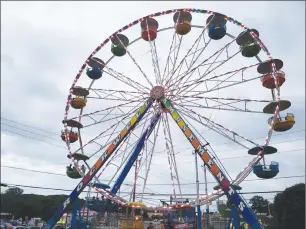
(206, 193)
(199, 216)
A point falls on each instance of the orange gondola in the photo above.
(73, 136)
(268, 80)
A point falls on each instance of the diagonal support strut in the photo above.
(219, 175)
(99, 163)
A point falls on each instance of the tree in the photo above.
(289, 207)
(224, 209)
(14, 191)
(259, 204)
(20, 205)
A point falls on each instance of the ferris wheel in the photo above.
(136, 99)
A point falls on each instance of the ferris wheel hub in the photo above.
(157, 92)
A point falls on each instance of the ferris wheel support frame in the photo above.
(215, 170)
(99, 163)
(104, 157)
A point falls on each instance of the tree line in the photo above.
(20, 205)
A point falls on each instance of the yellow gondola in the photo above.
(281, 125)
(182, 20)
(79, 101)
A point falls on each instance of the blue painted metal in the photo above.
(199, 217)
(234, 222)
(101, 185)
(245, 210)
(135, 154)
(73, 224)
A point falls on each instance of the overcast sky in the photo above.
(43, 45)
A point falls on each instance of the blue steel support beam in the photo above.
(135, 154)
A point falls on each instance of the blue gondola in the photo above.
(101, 185)
(94, 73)
(217, 32)
(266, 172)
(217, 26)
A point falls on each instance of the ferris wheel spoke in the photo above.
(180, 80)
(170, 49)
(108, 141)
(127, 80)
(175, 52)
(133, 59)
(207, 73)
(117, 91)
(232, 135)
(169, 157)
(103, 120)
(154, 56)
(148, 166)
(220, 104)
(172, 153)
(201, 50)
(236, 100)
(112, 96)
(142, 122)
(196, 83)
(105, 131)
(189, 103)
(189, 71)
(98, 112)
(156, 61)
(187, 54)
(176, 81)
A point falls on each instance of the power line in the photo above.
(26, 136)
(210, 182)
(151, 194)
(35, 171)
(9, 120)
(31, 132)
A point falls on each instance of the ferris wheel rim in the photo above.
(130, 25)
